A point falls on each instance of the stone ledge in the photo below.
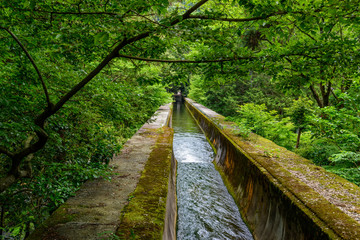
(143, 217)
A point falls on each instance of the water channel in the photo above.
(205, 208)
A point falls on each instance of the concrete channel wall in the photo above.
(138, 203)
(280, 195)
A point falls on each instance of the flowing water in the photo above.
(206, 210)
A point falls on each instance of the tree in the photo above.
(301, 46)
(308, 46)
(299, 113)
(14, 12)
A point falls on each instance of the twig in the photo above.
(305, 33)
(150, 20)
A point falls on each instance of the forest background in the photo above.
(78, 78)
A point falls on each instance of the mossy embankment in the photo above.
(143, 217)
(281, 195)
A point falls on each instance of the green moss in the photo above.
(47, 231)
(143, 217)
(152, 132)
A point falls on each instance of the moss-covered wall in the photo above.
(143, 217)
(171, 202)
(274, 203)
(151, 212)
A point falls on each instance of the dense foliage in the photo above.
(84, 136)
(88, 130)
(79, 77)
(300, 84)
(329, 136)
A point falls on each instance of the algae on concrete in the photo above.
(143, 217)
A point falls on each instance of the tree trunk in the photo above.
(27, 229)
(316, 96)
(298, 137)
(2, 220)
(323, 99)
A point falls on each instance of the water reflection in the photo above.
(205, 208)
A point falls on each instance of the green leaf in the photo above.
(101, 38)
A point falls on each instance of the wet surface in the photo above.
(205, 208)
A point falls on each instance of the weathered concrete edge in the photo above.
(144, 217)
(148, 215)
(67, 215)
(325, 217)
(171, 200)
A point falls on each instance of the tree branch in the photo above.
(33, 63)
(15, 173)
(65, 13)
(235, 58)
(148, 19)
(6, 152)
(238, 19)
(305, 33)
(113, 54)
(79, 13)
(302, 55)
(316, 96)
(184, 61)
(337, 99)
(28, 149)
(186, 15)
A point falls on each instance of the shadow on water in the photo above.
(205, 208)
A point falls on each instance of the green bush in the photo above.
(318, 151)
(338, 126)
(346, 158)
(266, 123)
(347, 165)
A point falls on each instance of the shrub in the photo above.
(266, 123)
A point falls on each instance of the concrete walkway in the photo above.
(95, 211)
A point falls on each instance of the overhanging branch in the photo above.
(305, 33)
(184, 61)
(186, 15)
(237, 19)
(79, 13)
(113, 54)
(33, 63)
(193, 9)
(65, 13)
(148, 19)
(6, 152)
(15, 172)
